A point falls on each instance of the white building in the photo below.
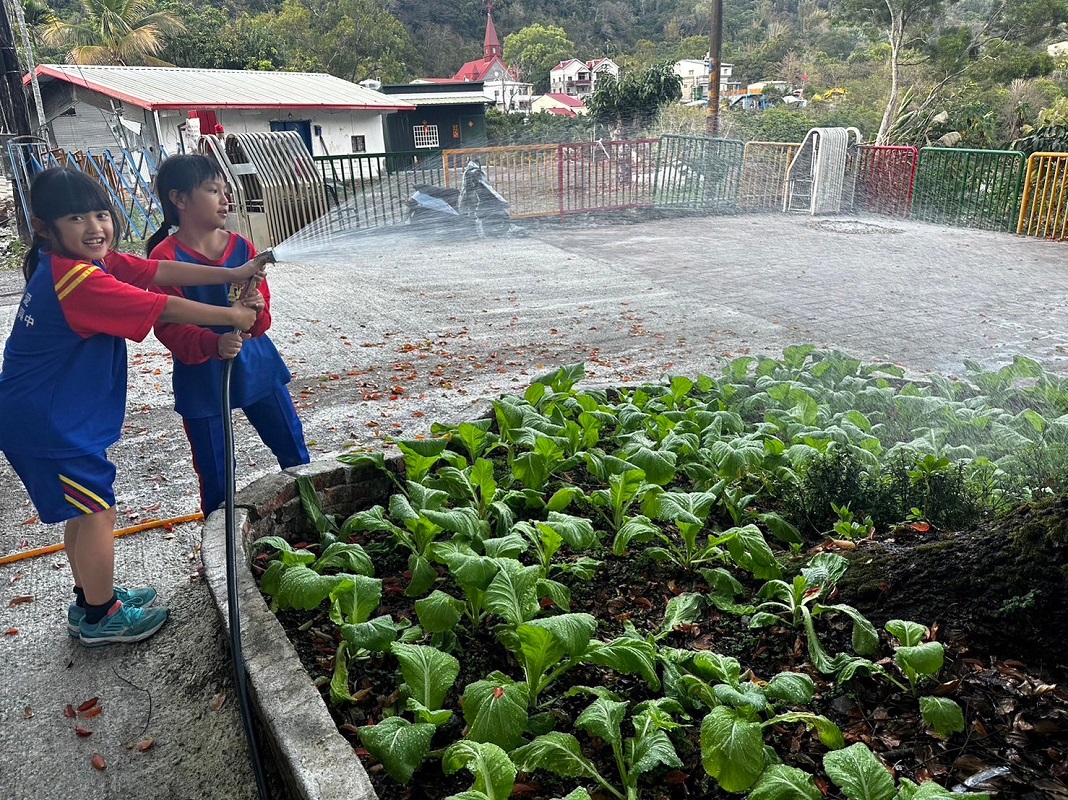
(695, 73)
(580, 78)
(97, 108)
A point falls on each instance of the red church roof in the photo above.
(478, 70)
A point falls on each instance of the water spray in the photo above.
(237, 657)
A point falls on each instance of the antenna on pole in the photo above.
(31, 67)
(13, 116)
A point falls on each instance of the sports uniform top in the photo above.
(258, 369)
(63, 382)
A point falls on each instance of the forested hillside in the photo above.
(973, 72)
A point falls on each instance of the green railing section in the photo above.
(698, 174)
(969, 188)
(370, 189)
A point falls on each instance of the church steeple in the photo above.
(492, 47)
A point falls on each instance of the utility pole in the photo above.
(31, 66)
(715, 58)
(12, 102)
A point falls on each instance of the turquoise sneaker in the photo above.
(123, 624)
(144, 597)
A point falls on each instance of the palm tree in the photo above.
(38, 15)
(116, 32)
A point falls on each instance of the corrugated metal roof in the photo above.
(442, 98)
(178, 88)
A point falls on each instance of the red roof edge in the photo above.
(80, 80)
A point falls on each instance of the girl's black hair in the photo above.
(183, 173)
(57, 192)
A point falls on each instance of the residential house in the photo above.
(563, 105)
(167, 108)
(695, 73)
(445, 114)
(580, 78)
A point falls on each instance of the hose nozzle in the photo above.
(268, 256)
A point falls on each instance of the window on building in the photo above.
(426, 136)
(359, 144)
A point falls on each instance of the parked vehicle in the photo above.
(476, 203)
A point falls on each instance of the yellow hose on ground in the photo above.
(144, 526)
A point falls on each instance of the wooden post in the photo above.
(715, 58)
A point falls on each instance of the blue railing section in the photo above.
(126, 174)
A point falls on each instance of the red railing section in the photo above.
(886, 178)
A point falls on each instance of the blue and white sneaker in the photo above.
(123, 624)
(143, 597)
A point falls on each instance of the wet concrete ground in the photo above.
(394, 332)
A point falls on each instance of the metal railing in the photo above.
(1044, 206)
(287, 189)
(763, 181)
(125, 174)
(528, 176)
(607, 176)
(695, 173)
(969, 188)
(370, 189)
(884, 179)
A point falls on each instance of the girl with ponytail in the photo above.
(193, 193)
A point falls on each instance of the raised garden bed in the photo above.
(635, 595)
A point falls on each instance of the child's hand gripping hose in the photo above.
(232, 607)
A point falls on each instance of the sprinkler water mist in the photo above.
(237, 657)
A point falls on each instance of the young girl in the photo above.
(193, 194)
(63, 383)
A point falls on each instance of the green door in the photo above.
(473, 130)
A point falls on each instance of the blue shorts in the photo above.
(66, 488)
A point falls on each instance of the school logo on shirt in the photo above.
(24, 316)
(235, 293)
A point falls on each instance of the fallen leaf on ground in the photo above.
(88, 704)
(98, 762)
(11, 632)
(82, 731)
(69, 712)
(21, 599)
(218, 701)
(145, 744)
(27, 713)
(90, 713)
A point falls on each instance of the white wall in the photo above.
(338, 127)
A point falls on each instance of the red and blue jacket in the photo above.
(63, 382)
(258, 369)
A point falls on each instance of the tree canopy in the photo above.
(535, 50)
(120, 32)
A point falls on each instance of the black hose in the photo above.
(237, 657)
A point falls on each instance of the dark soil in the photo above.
(1017, 717)
(1004, 586)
